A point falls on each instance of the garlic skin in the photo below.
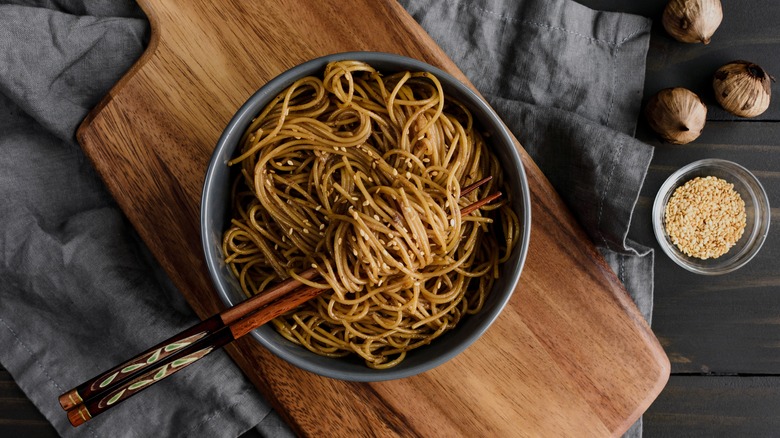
(676, 114)
(692, 21)
(743, 88)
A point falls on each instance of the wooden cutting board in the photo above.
(570, 355)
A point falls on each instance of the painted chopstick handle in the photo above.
(82, 413)
(241, 319)
(139, 363)
(183, 358)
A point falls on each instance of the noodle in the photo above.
(359, 176)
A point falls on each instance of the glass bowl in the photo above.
(756, 211)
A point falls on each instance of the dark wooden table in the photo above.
(722, 333)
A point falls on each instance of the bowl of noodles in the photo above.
(352, 164)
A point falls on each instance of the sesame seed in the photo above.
(705, 217)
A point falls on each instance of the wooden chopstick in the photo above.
(479, 204)
(159, 369)
(109, 388)
(154, 355)
(471, 187)
(102, 401)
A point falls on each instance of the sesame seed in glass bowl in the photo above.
(711, 217)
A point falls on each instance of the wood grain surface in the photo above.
(716, 406)
(18, 416)
(717, 335)
(731, 323)
(722, 334)
(570, 353)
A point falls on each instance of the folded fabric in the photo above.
(79, 292)
(567, 80)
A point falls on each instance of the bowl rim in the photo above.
(269, 90)
(759, 234)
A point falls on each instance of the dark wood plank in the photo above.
(646, 8)
(696, 406)
(18, 416)
(748, 31)
(728, 323)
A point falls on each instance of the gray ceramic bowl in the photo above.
(215, 209)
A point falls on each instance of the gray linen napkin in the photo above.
(79, 292)
(567, 80)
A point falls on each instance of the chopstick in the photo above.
(479, 204)
(159, 352)
(102, 401)
(120, 382)
(158, 369)
(471, 187)
(155, 354)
